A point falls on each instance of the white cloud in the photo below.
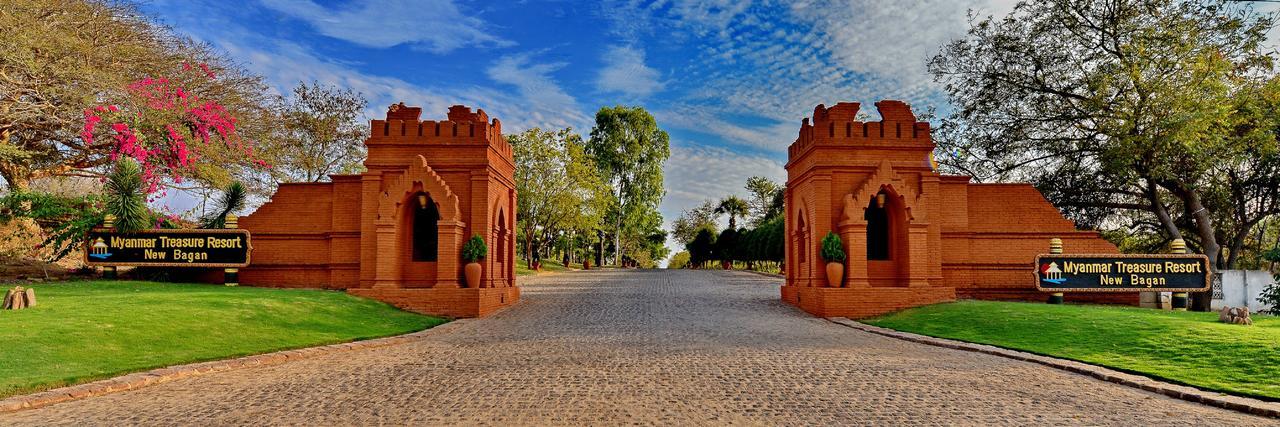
(541, 96)
(773, 135)
(434, 25)
(626, 72)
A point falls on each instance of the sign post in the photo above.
(1179, 300)
(1055, 248)
(231, 275)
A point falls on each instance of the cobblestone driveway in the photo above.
(668, 347)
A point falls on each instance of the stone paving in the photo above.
(642, 347)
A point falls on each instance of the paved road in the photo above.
(666, 347)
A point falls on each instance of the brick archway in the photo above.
(392, 237)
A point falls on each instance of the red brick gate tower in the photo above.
(911, 236)
(395, 232)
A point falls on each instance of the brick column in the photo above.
(918, 255)
(854, 235)
(386, 259)
(449, 253)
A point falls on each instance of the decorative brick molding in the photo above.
(163, 375)
(1191, 394)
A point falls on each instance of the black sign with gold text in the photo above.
(1122, 273)
(169, 248)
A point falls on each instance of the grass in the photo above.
(1183, 347)
(522, 267)
(85, 331)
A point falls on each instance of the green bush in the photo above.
(832, 248)
(1271, 295)
(474, 250)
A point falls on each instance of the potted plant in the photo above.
(472, 252)
(833, 252)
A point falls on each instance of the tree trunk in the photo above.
(1208, 241)
(1170, 227)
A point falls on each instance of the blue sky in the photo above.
(729, 80)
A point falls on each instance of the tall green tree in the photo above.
(1147, 114)
(629, 149)
(321, 132)
(558, 188)
(734, 207)
(762, 192)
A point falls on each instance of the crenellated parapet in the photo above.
(838, 125)
(462, 127)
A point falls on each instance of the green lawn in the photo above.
(84, 331)
(1183, 347)
(522, 268)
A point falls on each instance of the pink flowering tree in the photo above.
(165, 128)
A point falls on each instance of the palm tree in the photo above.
(733, 206)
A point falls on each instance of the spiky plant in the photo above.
(233, 199)
(126, 199)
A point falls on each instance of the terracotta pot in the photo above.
(473, 272)
(835, 274)
(586, 265)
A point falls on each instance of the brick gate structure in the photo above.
(395, 232)
(912, 236)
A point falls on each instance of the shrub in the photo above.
(832, 248)
(474, 250)
(1271, 295)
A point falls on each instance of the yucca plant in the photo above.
(126, 199)
(233, 199)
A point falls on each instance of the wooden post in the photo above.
(109, 272)
(1055, 248)
(1179, 301)
(231, 276)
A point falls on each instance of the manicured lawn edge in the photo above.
(1243, 404)
(162, 375)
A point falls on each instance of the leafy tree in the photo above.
(60, 58)
(702, 248)
(558, 188)
(321, 132)
(727, 245)
(686, 226)
(734, 207)
(763, 192)
(629, 150)
(1153, 115)
(679, 260)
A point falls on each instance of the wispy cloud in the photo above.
(437, 26)
(540, 94)
(625, 72)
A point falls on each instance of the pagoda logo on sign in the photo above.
(1050, 273)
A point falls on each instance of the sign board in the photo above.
(1122, 273)
(220, 248)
